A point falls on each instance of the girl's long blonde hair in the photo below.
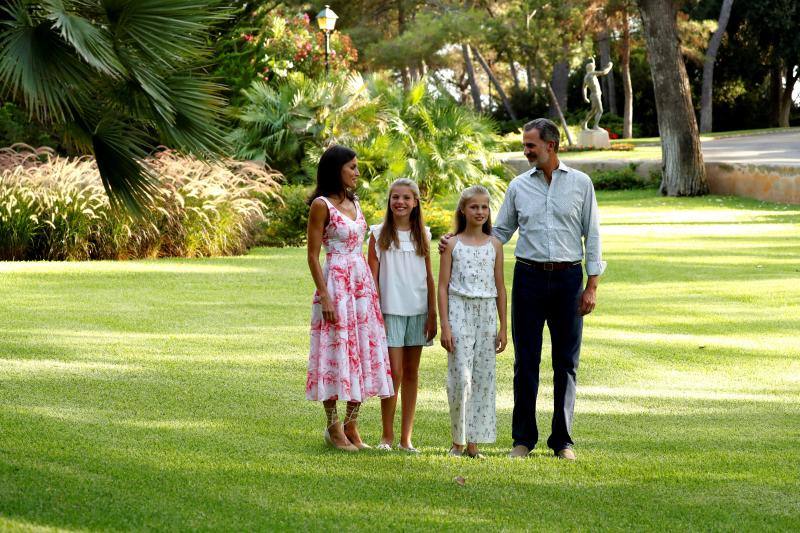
(461, 219)
(389, 230)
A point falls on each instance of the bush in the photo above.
(417, 134)
(438, 219)
(55, 208)
(613, 125)
(16, 126)
(269, 45)
(616, 180)
(287, 218)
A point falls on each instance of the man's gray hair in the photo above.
(548, 131)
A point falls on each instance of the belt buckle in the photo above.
(547, 267)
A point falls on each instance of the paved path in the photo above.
(767, 149)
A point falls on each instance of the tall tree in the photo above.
(706, 117)
(625, 66)
(473, 82)
(684, 173)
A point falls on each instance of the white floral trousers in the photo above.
(471, 369)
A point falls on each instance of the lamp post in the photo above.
(326, 20)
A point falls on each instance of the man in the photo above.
(555, 210)
(592, 85)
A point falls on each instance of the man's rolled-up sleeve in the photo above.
(595, 265)
(505, 224)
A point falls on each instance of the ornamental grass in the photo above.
(55, 208)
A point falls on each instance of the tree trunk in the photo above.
(473, 83)
(683, 171)
(494, 81)
(706, 100)
(625, 52)
(775, 90)
(609, 89)
(405, 72)
(559, 113)
(559, 84)
(529, 73)
(785, 108)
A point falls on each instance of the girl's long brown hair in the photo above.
(389, 230)
(461, 219)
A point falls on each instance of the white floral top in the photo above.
(472, 271)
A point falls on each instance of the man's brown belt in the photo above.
(548, 267)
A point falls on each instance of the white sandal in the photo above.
(410, 449)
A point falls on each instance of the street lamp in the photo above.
(326, 20)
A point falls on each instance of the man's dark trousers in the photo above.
(540, 297)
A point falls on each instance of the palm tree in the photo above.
(119, 75)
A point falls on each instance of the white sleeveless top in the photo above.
(402, 277)
(472, 271)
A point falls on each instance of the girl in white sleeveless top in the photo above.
(472, 295)
(399, 256)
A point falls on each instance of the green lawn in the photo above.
(168, 395)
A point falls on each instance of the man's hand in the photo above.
(443, 242)
(588, 300)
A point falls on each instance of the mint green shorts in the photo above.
(405, 330)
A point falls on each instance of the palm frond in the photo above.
(37, 67)
(93, 43)
(198, 108)
(167, 32)
(119, 152)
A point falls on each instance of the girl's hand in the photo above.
(430, 326)
(447, 340)
(328, 311)
(501, 341)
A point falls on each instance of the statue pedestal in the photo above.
(594, 138)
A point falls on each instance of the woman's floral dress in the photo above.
(349, 359)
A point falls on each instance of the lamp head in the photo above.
(326, 19)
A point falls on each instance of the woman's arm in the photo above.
(317, 220)
(373, 262)
(500, 284)
(445, 264)
(430, 323)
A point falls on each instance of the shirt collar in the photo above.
(561, 166)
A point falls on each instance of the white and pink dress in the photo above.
(349, 359)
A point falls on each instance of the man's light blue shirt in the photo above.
(555, 221)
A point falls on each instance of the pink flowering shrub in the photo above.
(271, 45)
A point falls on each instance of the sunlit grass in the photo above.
(169, 395)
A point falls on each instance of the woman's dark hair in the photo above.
(329, 172)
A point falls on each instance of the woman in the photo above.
(348, 360)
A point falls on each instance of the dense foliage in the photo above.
(54, 208)
(119, 76)
(269, 45)
(417, 134)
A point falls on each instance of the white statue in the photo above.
(592, 84)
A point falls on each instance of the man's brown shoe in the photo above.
(567, 454)
(519, 452)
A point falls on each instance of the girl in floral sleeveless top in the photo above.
(471, 295)
(348, 359)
